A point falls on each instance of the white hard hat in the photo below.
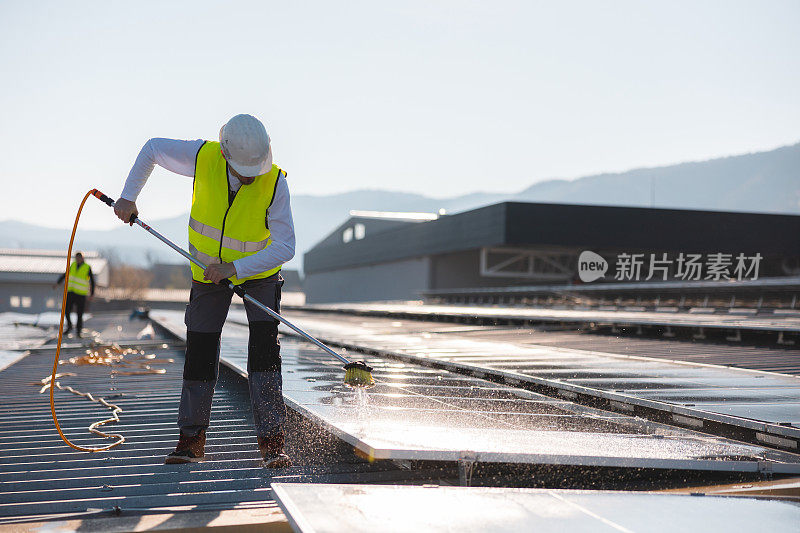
(246, 146)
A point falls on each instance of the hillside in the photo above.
(767, 182)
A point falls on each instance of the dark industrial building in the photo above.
(395, 256)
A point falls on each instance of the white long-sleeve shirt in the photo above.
(179, 157)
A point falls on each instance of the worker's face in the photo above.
(245, 180)
(79, 259)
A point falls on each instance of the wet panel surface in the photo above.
(417, 412)
(742, 393)
(785, 359)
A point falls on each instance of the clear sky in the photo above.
(439, 98)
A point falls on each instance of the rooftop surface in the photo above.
(35, 265)
(43, 478)
(420, 425)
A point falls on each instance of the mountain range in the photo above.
(765, 182)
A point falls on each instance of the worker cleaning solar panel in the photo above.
(240, 234)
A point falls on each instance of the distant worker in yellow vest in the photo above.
(240, 226)
(81, 283)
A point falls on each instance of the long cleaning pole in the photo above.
(235, 288)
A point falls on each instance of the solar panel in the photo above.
(387, 508)
(619, 317)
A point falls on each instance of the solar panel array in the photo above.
(741, 398)
(416, 412)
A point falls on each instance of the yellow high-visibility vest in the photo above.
(79, 278)
(222, 232)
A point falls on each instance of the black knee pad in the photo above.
(201, 356)
(264, 349)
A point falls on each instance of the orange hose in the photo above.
(53, 383)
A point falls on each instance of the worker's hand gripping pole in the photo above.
(238, 289)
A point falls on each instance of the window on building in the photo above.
(14, 301)
(347, 236)
(27, 301)
(51, 303)
(359, 231)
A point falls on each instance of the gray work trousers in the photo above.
(205, 316)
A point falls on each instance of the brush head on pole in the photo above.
(358, 375)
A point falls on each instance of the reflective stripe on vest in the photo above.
(220, 231)
(203, 258)
(79, 278)
(227, 242)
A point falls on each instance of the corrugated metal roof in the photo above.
(44, 264)
(44, 253)
(40, 477)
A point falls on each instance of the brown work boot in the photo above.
(189, 449)
(271, 449)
